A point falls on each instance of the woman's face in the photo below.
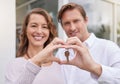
(37, 30)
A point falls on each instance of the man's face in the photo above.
(74, 24)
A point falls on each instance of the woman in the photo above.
(35, 63)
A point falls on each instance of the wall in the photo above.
(7, 34)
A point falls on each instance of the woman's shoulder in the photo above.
(19, 60)
(16, 63)
(15, 67)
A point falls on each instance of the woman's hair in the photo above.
(70, 6)
(23, 46)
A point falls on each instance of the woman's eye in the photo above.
(33, 26)
(45, 27)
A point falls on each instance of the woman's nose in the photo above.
(39, 29)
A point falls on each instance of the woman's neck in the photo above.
(32, 51)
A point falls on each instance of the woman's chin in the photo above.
(38, 45)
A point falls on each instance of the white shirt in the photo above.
(103, 52)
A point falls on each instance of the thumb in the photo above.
(64, 62)
(55, 59)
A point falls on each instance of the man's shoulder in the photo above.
(106, 42)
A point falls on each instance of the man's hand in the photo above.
(82, 58)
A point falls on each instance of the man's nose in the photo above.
(72, 27)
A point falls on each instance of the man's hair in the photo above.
(70, 6)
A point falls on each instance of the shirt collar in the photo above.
(90, 40)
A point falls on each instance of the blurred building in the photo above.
(103, 15)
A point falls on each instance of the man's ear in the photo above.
(86, 19)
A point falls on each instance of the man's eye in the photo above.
(77, 21)
(66, 24)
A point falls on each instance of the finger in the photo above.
(54, 47)
(64, 62)
(57, 41)
(55, 59)
(75, 48)
(74, 41)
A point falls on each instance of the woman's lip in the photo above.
(38, 38)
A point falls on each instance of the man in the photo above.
(97, 60)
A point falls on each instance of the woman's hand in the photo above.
(47, 54)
